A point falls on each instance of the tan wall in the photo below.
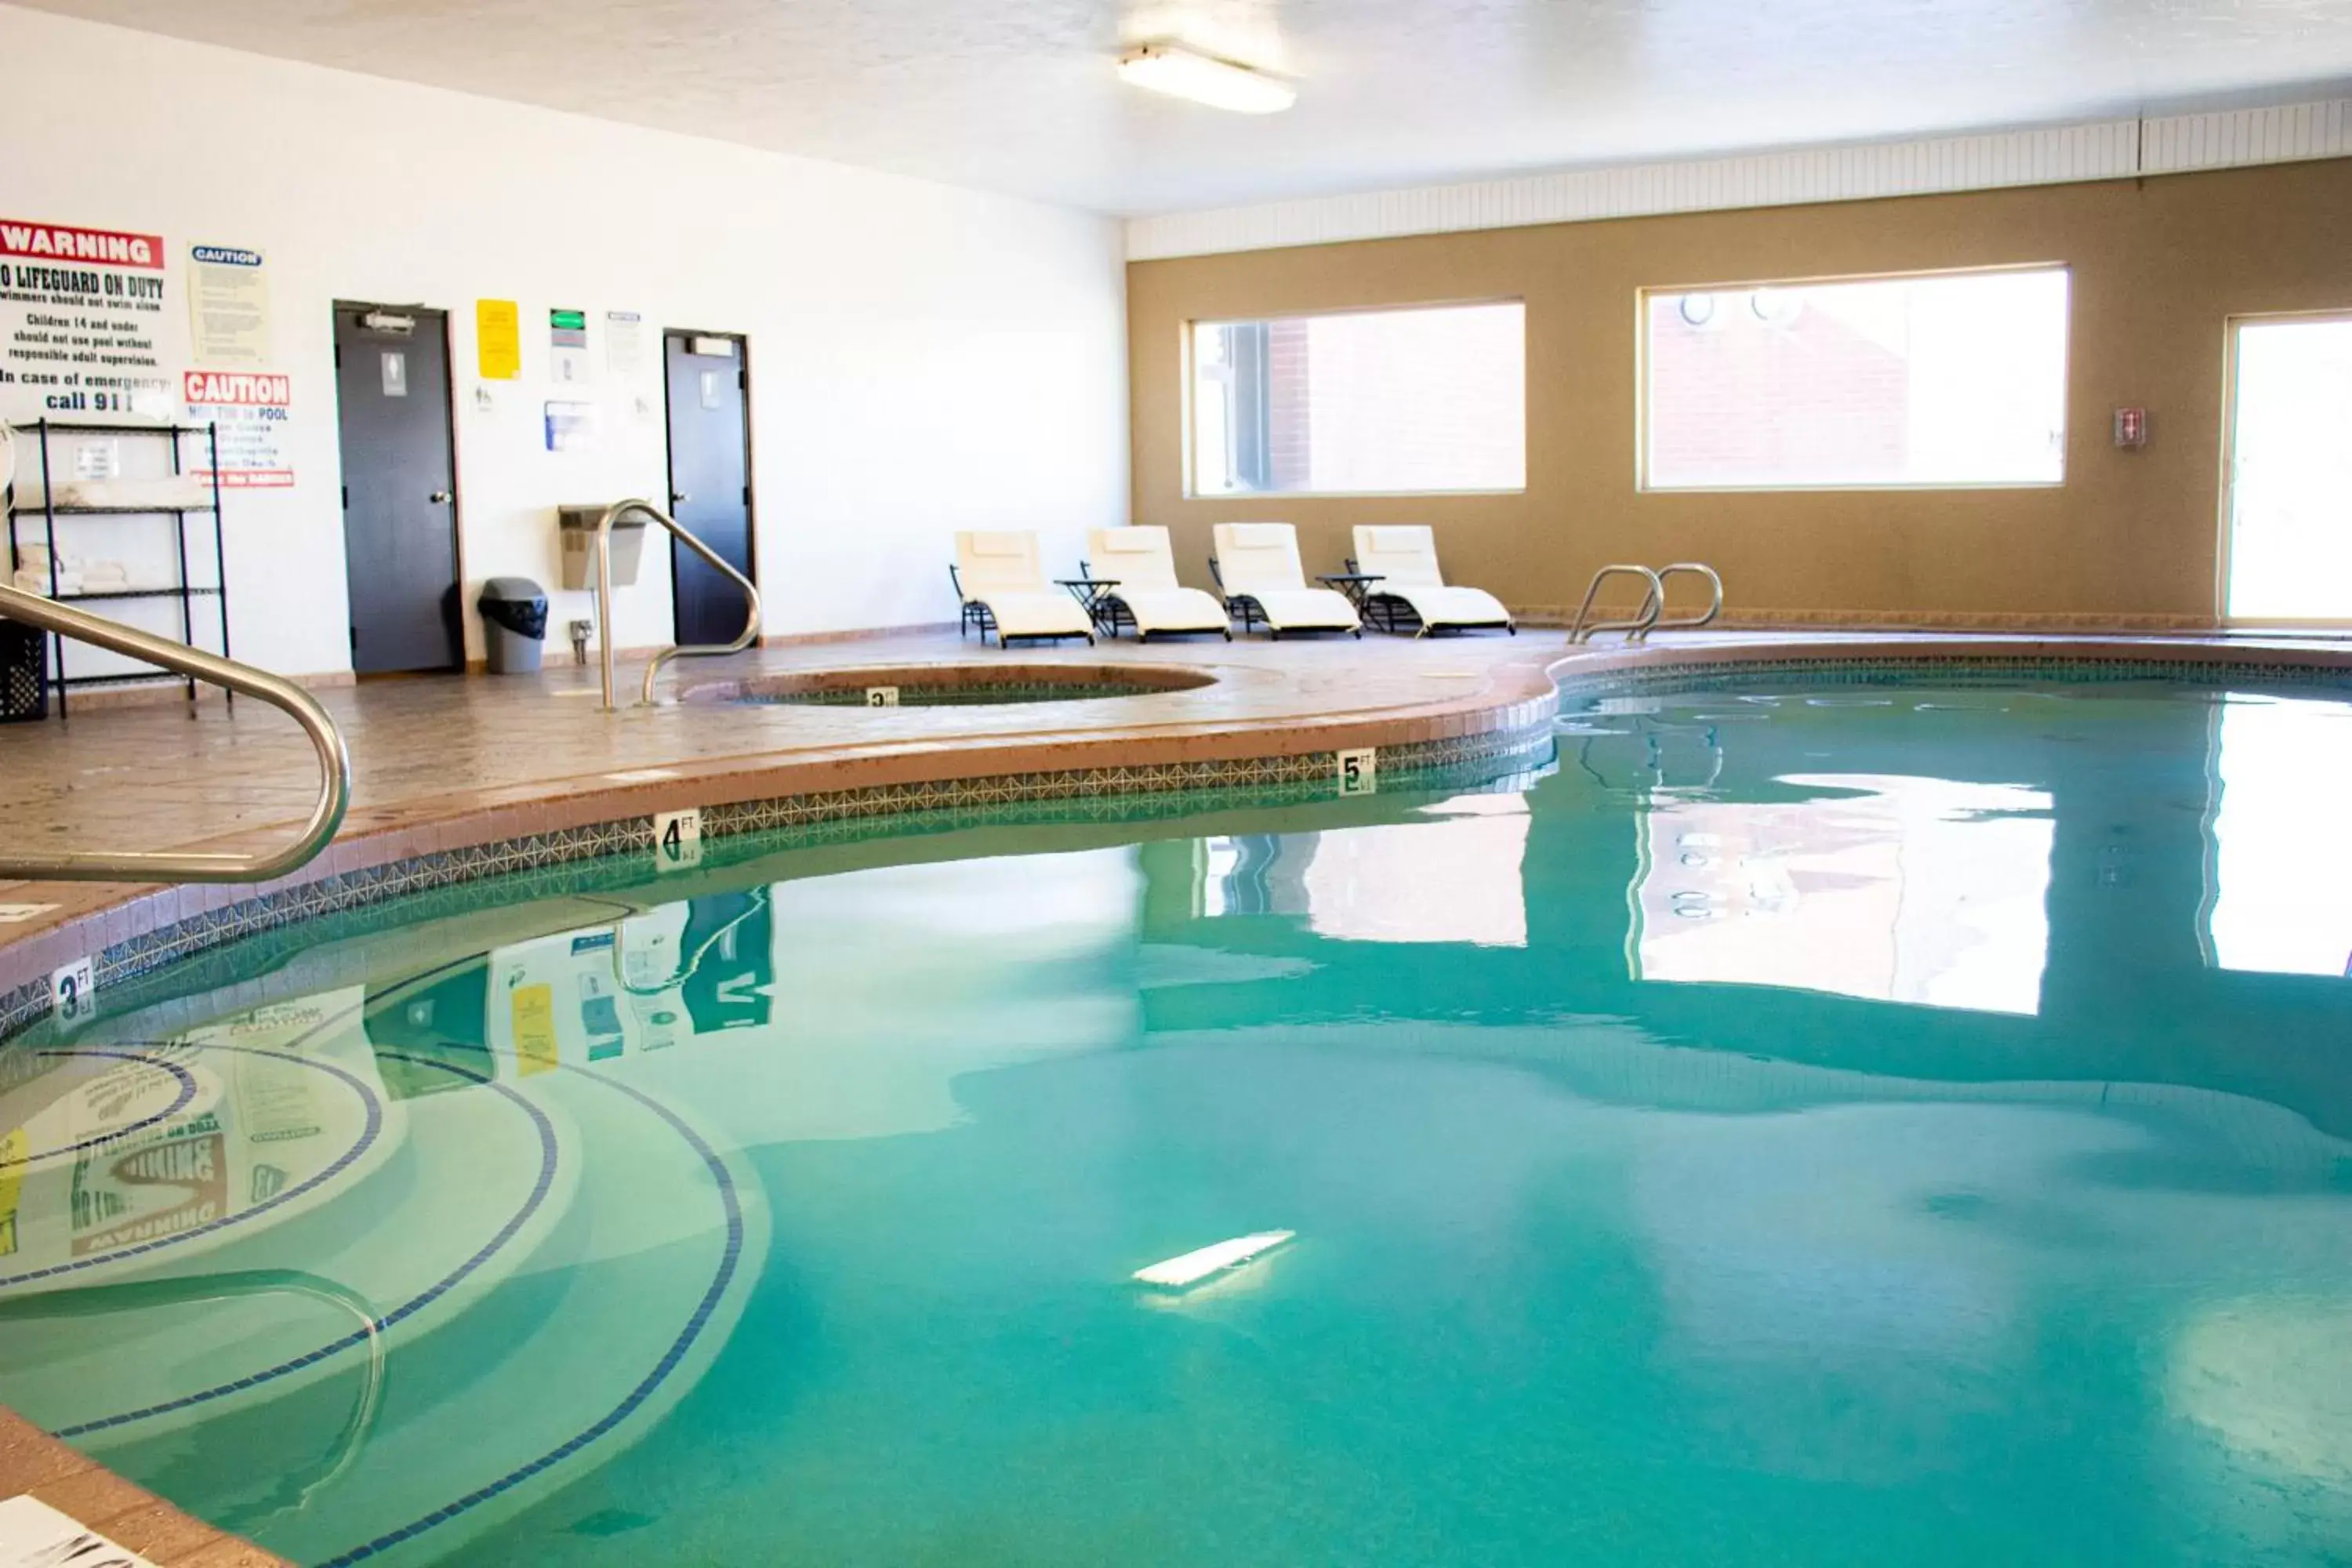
(2130, 539)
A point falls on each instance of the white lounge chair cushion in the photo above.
(1259, 558)
(1133, 557)
(1054, 614)
(1260, 561)
(1306, 609)
(1171, 609)
(1444, 607)
(1139, 561)
(1404, 557)
(1000, 563)
(1001, 570)
(1399, 553)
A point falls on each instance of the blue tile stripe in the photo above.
(548, 1157)
(730, 1259)
(341, 1162)
(116, 1135)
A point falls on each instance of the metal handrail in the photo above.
(613, 514)
(1636, 629)
(1688, 622)
(334, 756)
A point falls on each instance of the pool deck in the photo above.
(445, 763)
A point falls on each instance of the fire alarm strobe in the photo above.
(2131, 427)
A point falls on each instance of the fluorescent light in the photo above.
(1179, 72)
(1194, 1266)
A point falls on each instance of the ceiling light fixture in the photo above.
(1180, 72)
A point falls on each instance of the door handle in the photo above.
(440, 498)
(679, 497)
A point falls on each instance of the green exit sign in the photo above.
(567, 321)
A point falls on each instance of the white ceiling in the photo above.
(1019, 95)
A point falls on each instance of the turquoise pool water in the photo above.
(1833, 1124)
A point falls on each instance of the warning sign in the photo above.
(248, 410)
(80, 310)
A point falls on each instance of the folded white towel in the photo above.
(108, 572)
(33, 581)
(168, 490)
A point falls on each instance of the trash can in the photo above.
(514, 624)
(24, 672)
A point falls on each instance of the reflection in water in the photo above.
(1453, 876)
(1918, 1193)
(2283, 856)
(1892, 890)
(174, 1143)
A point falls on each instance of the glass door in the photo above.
(2290, 526)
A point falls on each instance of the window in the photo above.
(1956, 379)
(1393, 401)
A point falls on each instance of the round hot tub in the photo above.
(949, 685)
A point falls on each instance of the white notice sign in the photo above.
(624, 342)
(228, 306)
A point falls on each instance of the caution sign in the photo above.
(249, 409)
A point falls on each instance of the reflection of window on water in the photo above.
(2283, 861)
(1454, 876)
(1907, 890)
(1256, 874)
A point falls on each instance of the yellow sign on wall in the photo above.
(498, 338)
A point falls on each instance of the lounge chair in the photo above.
(1256, 564)
(1147, 595)
(1404, 558)
(1005, 591)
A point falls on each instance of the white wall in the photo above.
(924, 358)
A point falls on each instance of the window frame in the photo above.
(1188, 456)
(1644, 484)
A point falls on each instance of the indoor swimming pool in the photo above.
(1812, 1119)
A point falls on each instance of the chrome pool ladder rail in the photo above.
(684, 536)
(1637, 629)
(1687, 623)
(181, 865)
(1647, 619)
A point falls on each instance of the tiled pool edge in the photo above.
(347, 876)
(1620, 670)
